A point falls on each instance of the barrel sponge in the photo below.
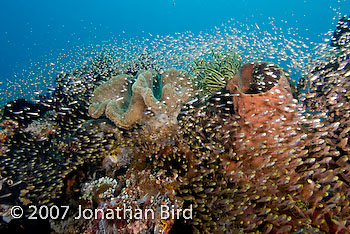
(263, 100)
(125, 102)
(266, 140)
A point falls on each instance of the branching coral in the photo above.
(211, 76)
(125, 102)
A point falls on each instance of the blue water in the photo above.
(32, 31)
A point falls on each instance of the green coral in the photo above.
(211, 75)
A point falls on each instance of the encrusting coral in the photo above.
(125, 101)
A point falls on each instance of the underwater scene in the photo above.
(174, 116)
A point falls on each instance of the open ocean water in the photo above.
(34, 35)
(212, 116)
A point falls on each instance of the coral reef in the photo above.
(327, 102)
(135, 206)
(42, 164)
(272, 174)
(50, 146)
(125, 101)
(140, 194)
(247, 155)
(244, 151)
(45, 141)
